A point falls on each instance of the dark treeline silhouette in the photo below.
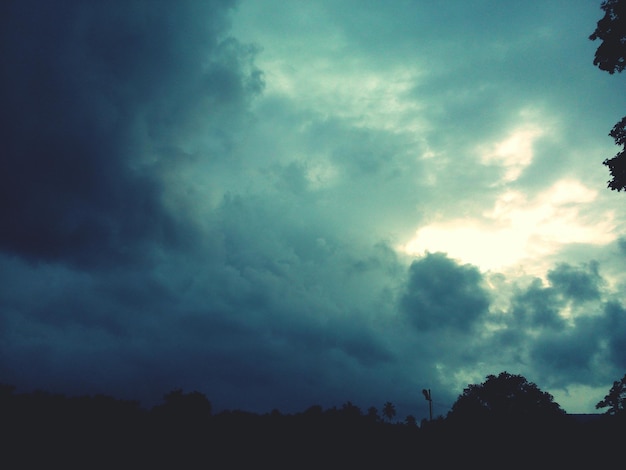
(504, 422)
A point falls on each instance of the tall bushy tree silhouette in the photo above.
(505, 397)
(615, 400)
(610, 56)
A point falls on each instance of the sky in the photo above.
(286, 204)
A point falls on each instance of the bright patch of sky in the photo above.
(518, 230)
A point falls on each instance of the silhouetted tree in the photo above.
(611, 57)
(506, 397)
(410, 421)
(510, 414)
(349, 410)
(389, 411)
(314, 411)
(183, 413)
(193, 403)
(372, 414)
(617, 164)
(616, 398)
(611, 30)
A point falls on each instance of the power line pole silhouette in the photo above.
(429, 398)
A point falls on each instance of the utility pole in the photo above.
(429, 398)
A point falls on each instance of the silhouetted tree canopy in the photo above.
(183, 409)
(617, 164)
(506, 397)
(611, 57)
(611, 30)
(615, 400)
(350, 410)
(372, 414)
(389, 411)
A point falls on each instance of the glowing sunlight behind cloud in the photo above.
(518, 229)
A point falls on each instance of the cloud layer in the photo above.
(288, 204)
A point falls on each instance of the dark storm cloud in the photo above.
(442, 294)
(588, 350)
(564, 331)
(541, 306)
(538, 306)
(250, 328)
(577, 283)
(568, 355)
(96, 96)
(614, 330)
